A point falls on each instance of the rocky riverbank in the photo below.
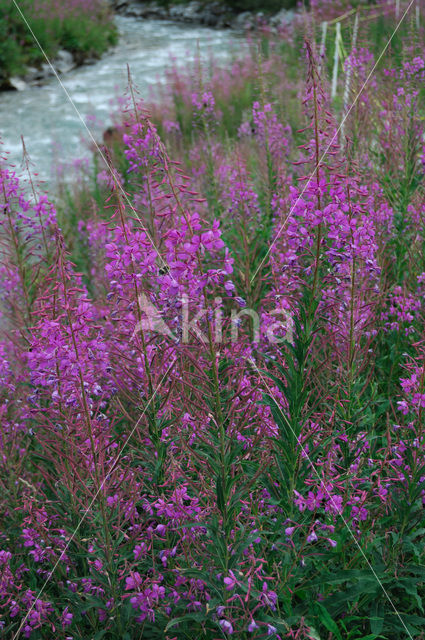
(211, 14)
(70, 34)
(63, 62)
(43, 114)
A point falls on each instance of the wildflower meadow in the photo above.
(212, 349)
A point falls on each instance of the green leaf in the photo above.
(326, 619)
(196, 617)
(377, 615)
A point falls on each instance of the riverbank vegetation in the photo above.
(82, 27)
(212, 353)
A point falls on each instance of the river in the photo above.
(54, 135)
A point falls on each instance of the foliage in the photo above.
(83, 27)
(212, 357)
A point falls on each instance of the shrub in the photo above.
(84, 28)
(168, 468)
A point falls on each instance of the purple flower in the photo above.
(226, 626)
(268, 597)
(230, 581)
(139, 550)
(133, 581)
(66, 618)
(252, 626)
(112, 501)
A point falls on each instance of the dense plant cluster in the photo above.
(83, 27)
(212, 357)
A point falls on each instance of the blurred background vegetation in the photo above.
(85, 28)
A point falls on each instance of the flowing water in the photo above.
(54, 135)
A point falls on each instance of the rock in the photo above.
(64, 61)
(208, 19)
(45, 72)
(224, 22)
(31, 74)
(285, 16)
(217, 8)
(90, 60)
(134, 10)
(120, 6)
(157, 11)
(186, 13)
(146, 10)
(193, 11)
(17, 83)
(177, 12)
(211, 14)
(244, 20)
